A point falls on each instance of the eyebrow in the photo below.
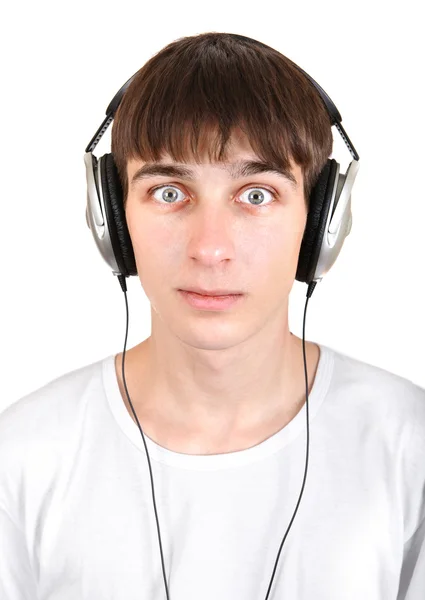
(236, 170)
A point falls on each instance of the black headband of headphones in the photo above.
(333, 112)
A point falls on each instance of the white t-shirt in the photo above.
(77, 520)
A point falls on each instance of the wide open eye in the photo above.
(256, 197)
(166, 194)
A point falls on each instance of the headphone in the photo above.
(328, 223)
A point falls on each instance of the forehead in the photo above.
(139, 171)
(239, 161)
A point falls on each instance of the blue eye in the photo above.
(256, 196)
(170, 193)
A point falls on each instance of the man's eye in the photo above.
(166, 194)
(254, 196)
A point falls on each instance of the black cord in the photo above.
(310, 291)
(121, 279)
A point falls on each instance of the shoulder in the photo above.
(366, 380)
(39, 433)
(49, 411)
(377, 400)
(384, 410)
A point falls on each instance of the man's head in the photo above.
(190, 96)
(205, 104)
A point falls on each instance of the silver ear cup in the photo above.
(339, 220)
(349, 224)
(95, 212)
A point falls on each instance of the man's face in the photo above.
(216, 231)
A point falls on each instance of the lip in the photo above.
(216, 303)
(214, 293)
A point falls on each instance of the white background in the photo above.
(61, 307)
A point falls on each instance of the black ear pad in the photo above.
(114, 207)
(319, 203)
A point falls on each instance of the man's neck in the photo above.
(187, 407)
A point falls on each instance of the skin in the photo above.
(214, 382)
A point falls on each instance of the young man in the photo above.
(220, 394)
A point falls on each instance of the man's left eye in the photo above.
(257, 196)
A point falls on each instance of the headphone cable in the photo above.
(310, 290)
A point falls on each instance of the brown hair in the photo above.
(194, 92)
